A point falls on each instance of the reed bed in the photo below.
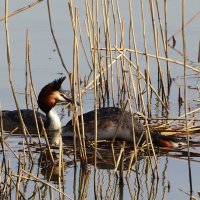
(121, 76)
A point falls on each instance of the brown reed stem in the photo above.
(60, 166)
(9, 147)
(81, 108)
(2, 141)
(35, 118)
(139, 87)
(119, 157)
(95, 102)
(24, 152)
(199, 53)
(74, 20)
(29, 64)
(54, 38)
(185, 94)
(26, 72)
(81, 133)
(73, 78)
(147, 61)
(47, 141)
(22, 9)
(18, 178)
(166, 46)
(10, 78)
(134, 144)
(160, 76)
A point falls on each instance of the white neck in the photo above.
(52, 120)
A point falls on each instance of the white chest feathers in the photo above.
(53, 120)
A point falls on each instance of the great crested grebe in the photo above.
(49, 96)
(111, 124)
(108, 119)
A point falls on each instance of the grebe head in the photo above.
(51, 94)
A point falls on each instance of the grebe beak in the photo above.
(64, 97)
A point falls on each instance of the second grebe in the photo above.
(111, 124)
(108, 121)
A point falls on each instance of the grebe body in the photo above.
(110, 123)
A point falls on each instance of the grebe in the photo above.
(49, 96)
(109, 120)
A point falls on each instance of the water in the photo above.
(46, 66)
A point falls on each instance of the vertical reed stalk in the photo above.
(81, 133)
(185, 93)
(139, 86)
(95, 102)
(35, 117)
(166, 46)
(60, 166)
(74, 79)
(116, 44)
(74, 20)
(134, 145)
(164, 39)
(199, 53)
(106, 17)
(81, 107)
(29, 65)
(157, 50)
(47, 142)
(18, 178)
(120, 162)
(2, 141)
(10, 78)
(24, 152)
(54, 37)
(147, 61)
(26, 72)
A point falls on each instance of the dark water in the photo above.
(46, 66)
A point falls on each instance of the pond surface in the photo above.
(173, 173)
